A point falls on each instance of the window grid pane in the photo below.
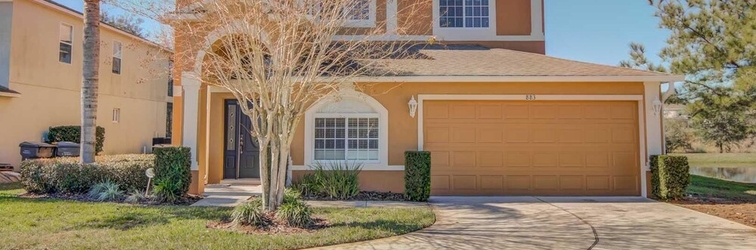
(346, 139)
(464, 13)
(360, 10)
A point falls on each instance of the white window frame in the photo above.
(463, 33)
(379, 111)
(117, 53)
(366, 23)
(71, 35)
(116, 115)
(348, 116)
(464, 16)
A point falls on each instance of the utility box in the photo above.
(67, 149)
(34, 150)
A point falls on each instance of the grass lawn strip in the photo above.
(734, 201)
(62, 224)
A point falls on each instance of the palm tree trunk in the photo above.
(89, 86)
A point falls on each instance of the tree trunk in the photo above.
(90, 76)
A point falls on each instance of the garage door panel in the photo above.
(465, 182)
(545, 182)
(518, 183)
(572, 182)
(533, 148)
(463, 159)
(492, 182)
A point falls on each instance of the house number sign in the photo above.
(530, 97)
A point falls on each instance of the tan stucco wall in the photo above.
(402, 127)
(51, 89)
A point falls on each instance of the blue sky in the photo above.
(597, 31)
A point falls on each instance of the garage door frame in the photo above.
(535, 98)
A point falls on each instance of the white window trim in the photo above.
(464, 33)
(346, 146)
(491, 13)
(116, 115)
(118, 55)
(383, 123)
(369, 23)
(644, 123)
(71, 44)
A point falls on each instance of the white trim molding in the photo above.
(191, 83)
(536, 18)
(637, 98)
(368, 23)
(348, 91)
(509, 79)
(364, 168)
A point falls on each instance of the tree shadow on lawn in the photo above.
(125, 216)
(153, 216)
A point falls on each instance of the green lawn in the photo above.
(729, 190)
(722, 160)
(58, 224)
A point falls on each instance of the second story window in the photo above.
(361, 13)
(464, 14)
(117, 54)
(66, 43)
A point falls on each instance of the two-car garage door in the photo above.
(532, 147)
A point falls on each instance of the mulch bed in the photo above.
(739, 211)
(184, 201)
(363, 196)
(272, 226)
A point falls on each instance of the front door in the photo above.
(242, 154)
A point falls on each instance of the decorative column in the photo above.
(191, 83)
(536, 18)
(653, 128)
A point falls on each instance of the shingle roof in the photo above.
(465, 60)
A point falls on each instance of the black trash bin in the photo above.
(67, 149)
(34, 150)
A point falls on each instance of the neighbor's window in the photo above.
(464, 13)
(117, 55)
(360, 10)
(346, 138)
(66, 43)
(169, 121)
(116, 115)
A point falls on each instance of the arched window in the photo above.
(350, 127)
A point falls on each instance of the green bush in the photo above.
(73, 134)
(67, 175)
(105, 191)
(417, 179)
(173, 173)
(296, 214)
(670, 176)
(336, 180)
(249, 214)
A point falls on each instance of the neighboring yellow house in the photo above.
(41, 73)
(498, 116)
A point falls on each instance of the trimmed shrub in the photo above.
(336, 180)
(670, 176)
(417, 171)
(67, 175)
(105, 191)
(173, 173)
(73, 134)
(249, 214)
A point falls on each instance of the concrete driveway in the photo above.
(567, 223)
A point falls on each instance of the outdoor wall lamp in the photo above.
(412, 107)
(657, 106)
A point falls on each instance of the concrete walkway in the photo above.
(567, 223)
(228, 194)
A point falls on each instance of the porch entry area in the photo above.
(241, 158)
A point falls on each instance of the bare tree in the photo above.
(89, 85)
(280, 57)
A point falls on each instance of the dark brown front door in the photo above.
(242, 154)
